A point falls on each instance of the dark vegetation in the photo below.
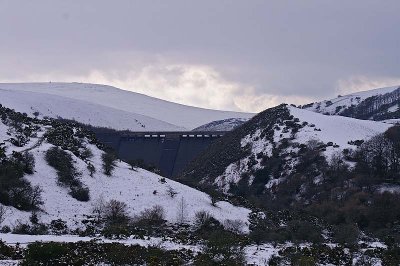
(345, 201)
(92, 253)
(315, 199)
(15, 190)
(67, 174)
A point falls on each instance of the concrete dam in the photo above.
(170, 152)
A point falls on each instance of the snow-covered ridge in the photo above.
(341, 103)
(151, 112)
(337, 132)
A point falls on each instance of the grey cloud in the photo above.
(301, 48)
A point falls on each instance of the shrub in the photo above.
(108, 162)
(5, 229)
(202, 218)
(21, 228)
(86, 154)
(62, 161)
(80, 193)
(115, 212)
(15, 190)
(58, 227)
(67, 175)
(151, 217)
(234, 226)
(26, 160)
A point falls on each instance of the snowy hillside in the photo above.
(106, 105)
(280, 132)
(222, 125)
(138, 188)
(47, 105)
(377, 104)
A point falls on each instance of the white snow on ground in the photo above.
(337, 129)
(88, 113)
(329, 106)
(111, 98)
(24, 240)
(139, 189)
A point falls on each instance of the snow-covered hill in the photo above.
(377, 104)
(222, 125)
(280, 132)
(102, 105)
(138, 188)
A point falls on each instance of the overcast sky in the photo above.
(237, 55)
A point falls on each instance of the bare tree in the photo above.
(182, 211)
(98, 208)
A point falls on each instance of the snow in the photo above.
(24, 240)
(139, 189)
(393, 108)
(337, 129)
(88, 113)
(92, 102)
(348, 100)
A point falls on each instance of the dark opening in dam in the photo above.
(168, 151)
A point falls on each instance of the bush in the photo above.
(5, 229)
(115, 212)
(202, 218)
(108, 162)
(9, 252)
(15, 190)
(67, 175)
(26, 160)
(234, 226)
(58, 227)
(80, 193)
(151, 217)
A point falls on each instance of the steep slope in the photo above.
(270, 144)
(181, 116)
(379, 104)
(138, 188)
(222, 125)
